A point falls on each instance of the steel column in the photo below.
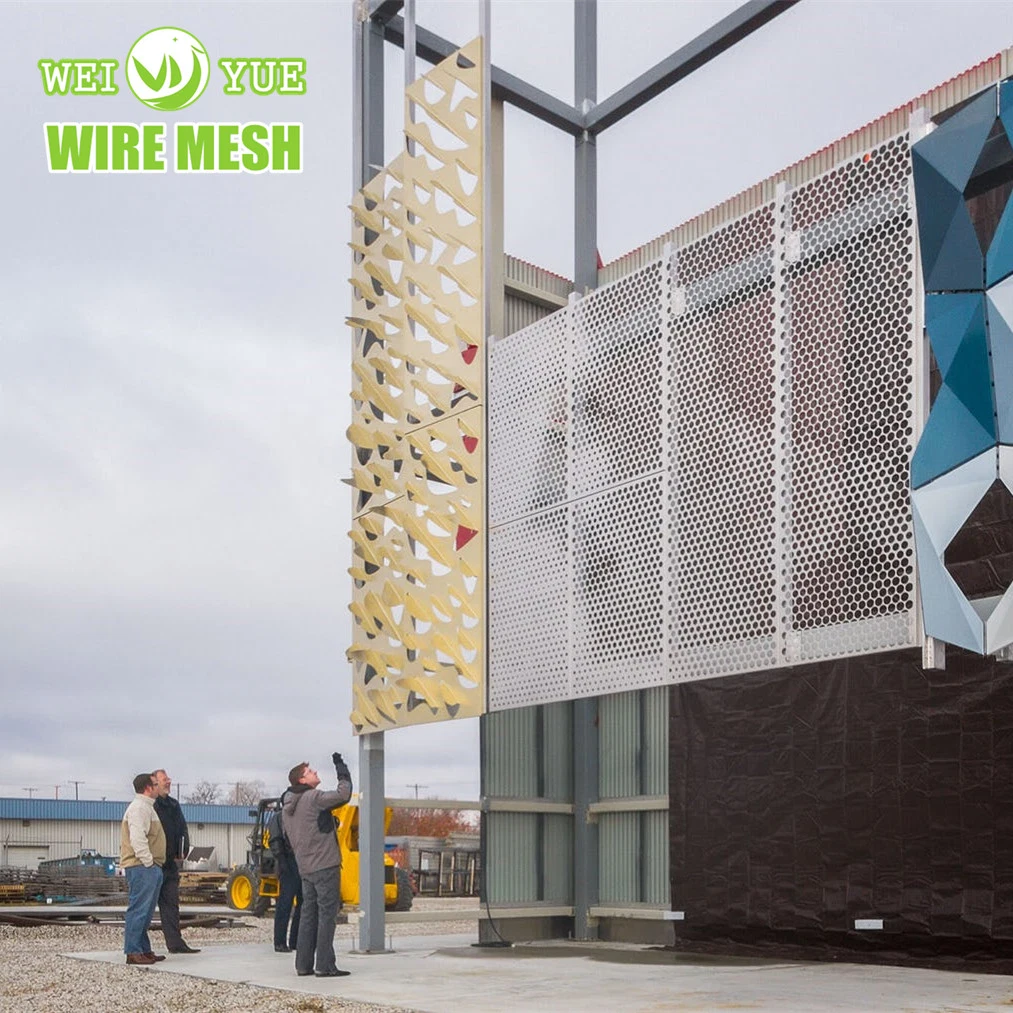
(585, 275)
(585, 829)
(368, 160)
(372, 804)
(585, 165)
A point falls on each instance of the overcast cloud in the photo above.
(174, 365)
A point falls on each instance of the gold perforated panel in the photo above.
(418, 315)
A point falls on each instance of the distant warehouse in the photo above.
(35, 830)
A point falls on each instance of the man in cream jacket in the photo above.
(142, 855)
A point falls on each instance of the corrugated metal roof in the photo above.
(71, 809)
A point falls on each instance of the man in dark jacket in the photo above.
(289, 902)
(177, 846)
(310, 828)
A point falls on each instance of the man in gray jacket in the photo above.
(310, 829)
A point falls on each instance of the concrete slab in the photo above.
(437, 973)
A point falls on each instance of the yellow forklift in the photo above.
(252, 886)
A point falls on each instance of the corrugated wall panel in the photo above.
(633, 731)
(511, 869)
(633, 858)
(558, 751)
(558, 859)
(511, 763)
(519, 313)
(619, 858)
(656, 741)
(619, 745)
(521, 271)
(654, 855)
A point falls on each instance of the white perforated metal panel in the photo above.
(850, 316)
(723, 450)
(701, 469)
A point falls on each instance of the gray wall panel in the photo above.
(558, 859)
(558, 751)
(511, 760)
(511, 869)
(619, 858)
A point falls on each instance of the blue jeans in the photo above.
(321, 892)
(143, 885)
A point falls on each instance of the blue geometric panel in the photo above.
(968, 437)
(946, 613)
(952, 149)
(962, 421)
(943, 163)
(948, 319)
(951, 437)
(951, 255)
(999, 259)
(999, 301)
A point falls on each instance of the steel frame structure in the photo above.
(374, 23)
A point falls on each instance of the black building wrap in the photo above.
(807, 798)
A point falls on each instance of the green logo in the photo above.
(168, 69)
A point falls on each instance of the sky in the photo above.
(174, 366)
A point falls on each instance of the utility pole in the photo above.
(77, 797)
(416, 787)
(56, 788)
(178, 787)
(31, 791)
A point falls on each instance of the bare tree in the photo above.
(204, 793)
(247, 792)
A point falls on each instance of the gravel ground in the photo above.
(34, 978)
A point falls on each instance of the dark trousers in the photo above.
(168, 907)
(321, 892)
(289, 894)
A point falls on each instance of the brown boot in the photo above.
(140, 958)
(156, 957)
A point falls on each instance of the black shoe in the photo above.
(303, 974)
(184, 949)
(336, 973)
(282, 949)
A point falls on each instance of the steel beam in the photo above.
(719, 37)
(383, 10)
(505, 87)
(585, 163)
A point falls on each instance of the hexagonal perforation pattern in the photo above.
(528, 419)
(724, 406)
(616, 425)
(727, 489)
(531, 580)
(849, 318)
(618, 621)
